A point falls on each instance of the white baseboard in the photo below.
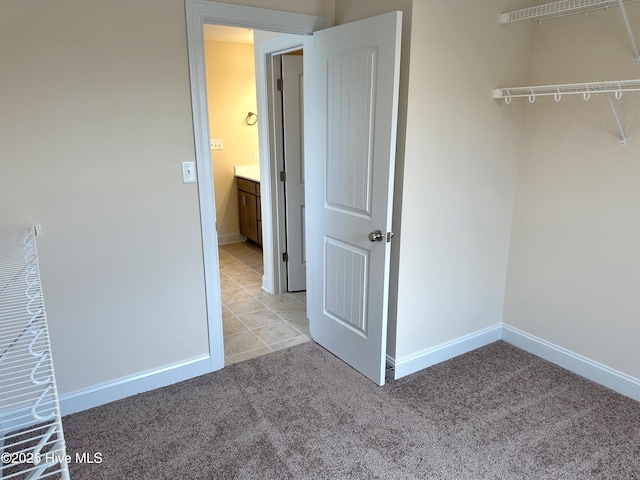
(126, 387)
(594, 371)
(606, 376)
(445, 351)
(231, 238)
(578, 364)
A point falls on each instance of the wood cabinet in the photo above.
(249, 210)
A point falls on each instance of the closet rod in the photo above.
(586, 89)
(559, 9)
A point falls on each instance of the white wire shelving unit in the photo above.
(31, 438)
(571, 7)
(563, 8)
(608, 88)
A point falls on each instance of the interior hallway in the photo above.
(254, 321)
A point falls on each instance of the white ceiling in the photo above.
(221, 33)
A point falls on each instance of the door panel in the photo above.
(292, 119)
(353, 73)
(346, 268)
(350, 93)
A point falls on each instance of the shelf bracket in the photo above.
(560, 8)
(623, 140)
(634, 44)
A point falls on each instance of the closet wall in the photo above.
(574, 265)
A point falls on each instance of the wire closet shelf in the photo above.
(31, 439)
(617, 87)
(585, 89)
(559, 9)
(571, 7)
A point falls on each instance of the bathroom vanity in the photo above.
(249, 208)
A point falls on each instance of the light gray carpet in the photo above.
(495, 413)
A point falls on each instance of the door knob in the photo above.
(375, 236)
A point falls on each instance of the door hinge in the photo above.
(285, 257)
(279, 84)
(283, 176)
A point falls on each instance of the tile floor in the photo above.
(254, 321)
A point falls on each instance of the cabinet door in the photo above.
(248, 211)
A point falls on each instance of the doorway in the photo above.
(254, 321)
(356, 47)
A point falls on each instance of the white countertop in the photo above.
(250, 172)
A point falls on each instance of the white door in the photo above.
(352, 72)
(292, 113)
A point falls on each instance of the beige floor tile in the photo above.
(276, 333)
(249, 325)
(301, 324)
(289, 343)
(233, 247)
(253, 279)
(241, 342)
(240, 357)
(257, 268)
(257, 291)
(246, 306)
(227, 282)
(277, 300)
(230, 262)
(238, 271)
(233, 325)
(300, 296)
(251, 258)
(243, 248)
(289, 311)
(259, 319)
(233, 295)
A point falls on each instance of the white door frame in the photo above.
(198, 13)
(271, 148)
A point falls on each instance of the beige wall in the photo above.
(100, 121)
(231, 92)
(96, 118)
(574, 266)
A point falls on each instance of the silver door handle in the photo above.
(375, 236)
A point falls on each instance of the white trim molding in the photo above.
(445, 351)
(128, 386)
(578, 364)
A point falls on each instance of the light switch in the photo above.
(216, 144)
(188, 172)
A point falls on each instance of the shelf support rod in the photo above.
(623, 141)
(634, 44)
